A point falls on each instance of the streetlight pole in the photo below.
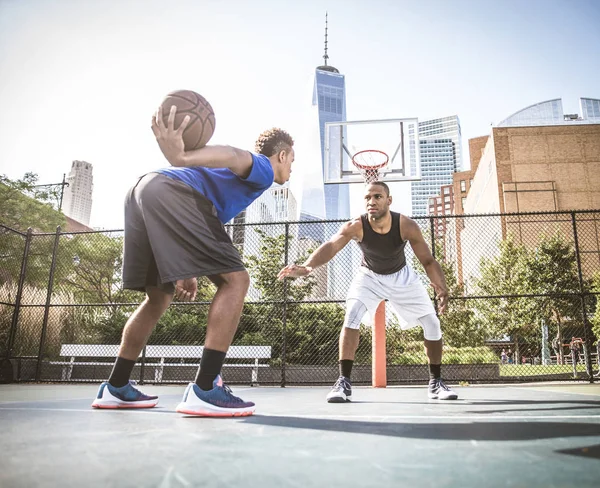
(62, 188)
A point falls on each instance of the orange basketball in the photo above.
(202, 117)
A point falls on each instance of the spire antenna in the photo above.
(325, 66)
(325, 57)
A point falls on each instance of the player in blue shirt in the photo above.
(174, 233)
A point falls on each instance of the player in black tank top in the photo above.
(382, 253)
(384, 275)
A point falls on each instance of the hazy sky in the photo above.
(80, 79)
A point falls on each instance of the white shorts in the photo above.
(403, 290)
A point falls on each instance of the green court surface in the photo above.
(545, 435)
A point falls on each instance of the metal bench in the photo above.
(74, 351)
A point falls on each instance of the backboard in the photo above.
(396, 137)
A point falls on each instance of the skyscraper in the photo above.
(320, 201)
(329, 99)
(441, 156)
(77, 201)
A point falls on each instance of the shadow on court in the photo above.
(586, 452)
(534, 436)
(468, 431)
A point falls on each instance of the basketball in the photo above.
(202, 117)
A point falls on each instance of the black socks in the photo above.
(121, 372)
(435, 371)
(346, 367)
(210, 367)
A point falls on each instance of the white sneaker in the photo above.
(439, 391)
(127, 396)
(218, 402)
(341, 391)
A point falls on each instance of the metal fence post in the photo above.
(432, 230)
(586, 334)
(7, 374)
(15, 318)
(38, 368)
(285, 303)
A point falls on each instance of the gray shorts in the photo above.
(172, 232)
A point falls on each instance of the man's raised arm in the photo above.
(325, 252)
(170, 141)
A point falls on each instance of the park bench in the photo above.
(74, 351)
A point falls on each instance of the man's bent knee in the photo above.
(431, 327)
(355, 311)
(158, 298)
(237, 279)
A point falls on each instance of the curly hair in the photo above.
(272, 141)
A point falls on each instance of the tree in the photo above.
(459, 324)
(23, 206)
(551, 268)
(596, 317)
(312, 330)
(502, 276)
(265, 266)
(20, 211)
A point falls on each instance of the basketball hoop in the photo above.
(370, 163)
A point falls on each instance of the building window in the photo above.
(446, 199)
(463, 185)
(463, 202)
(447, 191)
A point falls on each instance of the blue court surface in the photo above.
(519, 436)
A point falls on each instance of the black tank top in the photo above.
(383, 253)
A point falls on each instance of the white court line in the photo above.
(432, 417)
(553, 389)
(90, 409)
(378, 418)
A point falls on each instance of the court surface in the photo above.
(530, 435)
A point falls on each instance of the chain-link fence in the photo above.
(523, 305)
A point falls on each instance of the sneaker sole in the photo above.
(207, 413)
(115, 405)
(203, 409)
(337, 399)
(433, 396)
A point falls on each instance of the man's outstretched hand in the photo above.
(294, 271)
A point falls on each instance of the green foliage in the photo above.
(469, 355)
(182, 325)
(312, 331)
(552, 268)
(23, 206)
(549, 268)
(459, 323)
(504, 275)
(596, 317)
(90, 266)
(413, 352)
(264, 267)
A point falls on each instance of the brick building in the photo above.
(534, 168)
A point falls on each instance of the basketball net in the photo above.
(370, 163)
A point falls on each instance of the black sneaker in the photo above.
(341, 391)
(439, 391)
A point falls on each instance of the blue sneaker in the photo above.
(218, 402)
(125, 397)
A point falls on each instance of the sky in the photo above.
(80, 79)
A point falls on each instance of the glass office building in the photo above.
(440, 145)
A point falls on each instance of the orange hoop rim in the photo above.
(370, 167)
